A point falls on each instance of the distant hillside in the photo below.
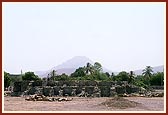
(155, 70)
(67, 71)
(69, 66)
(72, 64)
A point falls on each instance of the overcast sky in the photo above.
(121, 36)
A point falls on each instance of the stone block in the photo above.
(51, 83)
(79, 90)
(104, 83)
(56, 90)
(48, 91)
(37, 83)
(89, 90)
(120, 89)
(105, 91)
(81, 83)
(24, 85)
(91, 83)
(67, 91)
(35, 90)
(17, 87)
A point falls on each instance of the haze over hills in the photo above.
(155, 70)
(72, 64)
(75, 62)
(69, 66)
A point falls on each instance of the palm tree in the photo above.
(52, 74)
(147, 73)
(131, 77)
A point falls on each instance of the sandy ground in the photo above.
(81, 104)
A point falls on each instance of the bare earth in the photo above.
(81, 104)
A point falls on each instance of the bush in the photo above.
(7, 80)
(157, 79)
(30, 76)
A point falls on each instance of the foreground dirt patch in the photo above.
(83, 104)
(120, 103)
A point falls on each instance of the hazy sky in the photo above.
(121, 36)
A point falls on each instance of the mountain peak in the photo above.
(75, 62)
(80, 58)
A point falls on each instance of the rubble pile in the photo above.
(44, 98)
(120, 103)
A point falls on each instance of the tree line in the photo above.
(95, 72)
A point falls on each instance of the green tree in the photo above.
(64, 77)
(80, 72)
(107, 73)
(140, 81)
(103, 76)
(88, 77)
(122, 76)
(97, 67)
(147, 72)
(7, 80)
(157, 79)
(30, 76)
(15, 79)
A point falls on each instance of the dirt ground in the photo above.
(82, 104)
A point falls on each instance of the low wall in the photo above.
(73, 88)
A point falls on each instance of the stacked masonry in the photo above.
(74, 88)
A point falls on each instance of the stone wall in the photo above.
(73, 88)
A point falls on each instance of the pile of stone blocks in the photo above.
(74, 88)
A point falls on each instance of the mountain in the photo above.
(69, 66)
(72, 64)
(155, 70)
(67, 71)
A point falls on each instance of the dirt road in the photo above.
(81, 104)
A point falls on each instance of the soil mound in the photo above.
(120, 103)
